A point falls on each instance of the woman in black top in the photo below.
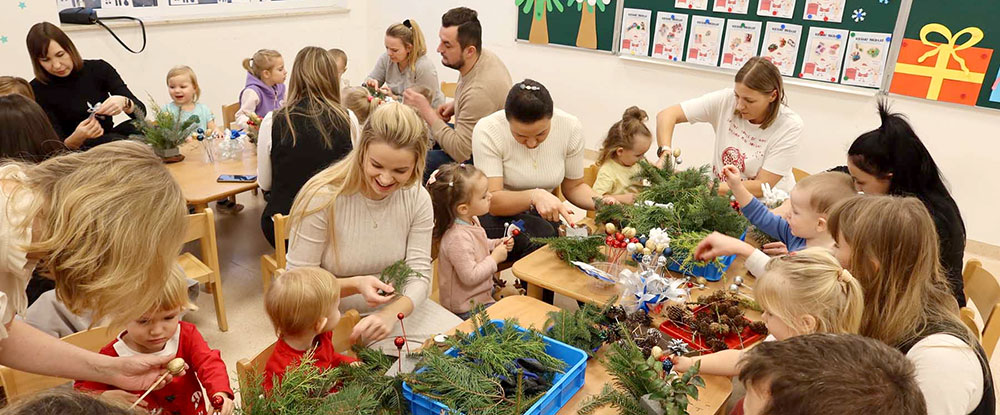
(892, 160)
(80, 97)
(312, 131)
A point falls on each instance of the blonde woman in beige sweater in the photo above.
(367, 211)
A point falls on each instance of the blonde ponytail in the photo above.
(410, 34)
(811, 283)
(262, 60)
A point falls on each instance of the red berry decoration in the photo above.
(609, 240)
(515, 232)
(663, 357)
(217, 402)
(399, 342)
(635, 240)
(400, 316)
(619, 236)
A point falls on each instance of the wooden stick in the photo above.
(174, 367)
(164, 376)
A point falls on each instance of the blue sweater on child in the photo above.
(776, 226)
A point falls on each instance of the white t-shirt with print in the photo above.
(746, 145)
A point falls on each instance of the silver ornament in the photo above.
(677, 160)
(733, 288)
(738, 280)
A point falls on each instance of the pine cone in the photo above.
(675, 313)
(716, 345)
(758, 327)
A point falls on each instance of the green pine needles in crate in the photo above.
(583, 328)
(575, 249)
(166, 130)
(637, 376)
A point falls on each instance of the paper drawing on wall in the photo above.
(731, 6)
(740, 43)
(824, 54)
(705, 40)
(669, 35)
(781, 46)
(864, 63)
(691, 4)
(824, 10)
(635, 32)
(784, 9)
(953, 70)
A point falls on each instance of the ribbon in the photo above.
(646, 289)
(945, 52)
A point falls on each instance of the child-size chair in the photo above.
(341, 343)
(229, 114)
(18, 384)
(201, 228)
(984, 290)
(271, 263)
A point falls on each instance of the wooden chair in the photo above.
(590, 177)
(448, 89)
(270, 263)
(984, 290)
(17, 384)
(341, 343)
(968, 317)
(201, 227)
(799, 174)
(229, 114)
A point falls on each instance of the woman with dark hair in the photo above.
(527, 151)
(25, 131)
(892, 160)
(80, 97)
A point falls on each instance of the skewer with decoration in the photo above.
(619, 244)
(174, 367)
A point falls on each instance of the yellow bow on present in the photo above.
(945, 53)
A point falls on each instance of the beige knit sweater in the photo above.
(479, 93)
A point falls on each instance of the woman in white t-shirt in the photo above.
(754, 129)
(527, 151)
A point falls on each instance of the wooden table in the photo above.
(198, 178)
(531, 312)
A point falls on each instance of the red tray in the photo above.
(732, 340)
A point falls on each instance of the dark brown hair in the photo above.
(761, 75)
(16, 85)
(622, 134)
(450, 187)
(832, 374)
(25, 131)
(470, 31)
(39, 37)
(66, 402)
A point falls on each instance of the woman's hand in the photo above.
(372, 328)
(368, 286)
(227, 404)
(120, 396)
(139, 372)
(112, 106)
(718, 245)
(775, 248)
(86, 130)
(371, 83)
(548, 206)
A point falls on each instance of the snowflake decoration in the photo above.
(883, 1)
(859, 15)
(3, 39)
(22, 5)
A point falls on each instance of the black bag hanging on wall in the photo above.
(88, 16)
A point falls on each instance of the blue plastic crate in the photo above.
(564, 385)
(710, 272)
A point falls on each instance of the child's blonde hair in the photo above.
(826, 189)
(175, 293)
(450, 186)
(16, 85)
(183, 70)
(622, 133)
(361, 102)
(894, 253)
(110, 223)
(394, 124)
(301, 297)
(262, 60)
(339, 55)
(409, 33)
(811, 282)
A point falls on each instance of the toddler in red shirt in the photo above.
(161, 332)
(303, 307)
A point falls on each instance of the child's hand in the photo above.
(718, 245)
(509, 243)
(500, 253)
(227, 404)
(118, 395)
(681, 363)
(732, 175)
(610, 200)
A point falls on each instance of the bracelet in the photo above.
(128, 104)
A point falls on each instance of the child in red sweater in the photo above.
(303, 307)
(161, 332)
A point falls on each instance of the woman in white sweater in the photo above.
(366, 212)
(527, 151)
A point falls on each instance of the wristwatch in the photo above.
(662, 149)
(128, 104)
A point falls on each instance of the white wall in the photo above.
(598, 87)
(214, 49)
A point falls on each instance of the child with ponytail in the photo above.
(805, 292)
(265, 86)
(627, 142)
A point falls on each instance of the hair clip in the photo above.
(529, 87)
(433, 177)
(407, 23)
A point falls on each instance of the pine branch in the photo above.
(575, 249)
(625, 403)
(166, 130)
(398, 275)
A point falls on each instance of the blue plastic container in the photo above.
(710, 272)
(564, 385)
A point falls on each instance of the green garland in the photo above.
(166, 130)
(575, 249)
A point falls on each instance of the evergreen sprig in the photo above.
(302, 390)
(575, 249)
(583, 328)
(166, 130)
(398, 275)
(495, 348)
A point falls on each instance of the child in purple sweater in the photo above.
(467, 259)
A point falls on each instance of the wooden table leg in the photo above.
(534, 291)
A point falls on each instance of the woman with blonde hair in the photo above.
(755, 131)
(311, 132)
(405, 63)
(366, 212)
(890, 245)
(108, 225)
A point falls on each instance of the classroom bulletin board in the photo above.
(586, 24)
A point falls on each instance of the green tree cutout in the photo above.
(586, 36)
(539, 22)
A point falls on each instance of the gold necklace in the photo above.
(369, 211)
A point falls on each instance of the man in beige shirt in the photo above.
(483, 84)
